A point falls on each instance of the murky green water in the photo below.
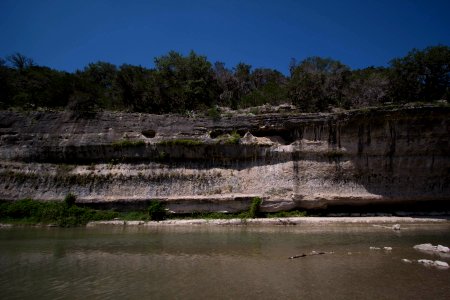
(220, 263)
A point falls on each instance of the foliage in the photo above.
(287, 214)
(317, 83)
(63, 214)
(254, 207)
(127, 144)
(421, 75)
(366, 87)
(214, 113)
(253, 210)
(181, 142)
(70, 199)
(186, 82)
(234, 138)
(156, 211)
(180, 83)
(229, 139)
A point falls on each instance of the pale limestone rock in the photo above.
(430, 248)
(314, 160)
(425, 247)
(440, 264)
(396, 227)
(425, 262)
(442, 249)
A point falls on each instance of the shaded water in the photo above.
(220, 263)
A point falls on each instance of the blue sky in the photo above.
(67, 35)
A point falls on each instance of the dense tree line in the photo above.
(180, 83)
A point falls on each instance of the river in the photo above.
(213, 262)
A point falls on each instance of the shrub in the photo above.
(156, 211)
(286, 214)
(253, 210)
(234, 138)
(63, 214)
(214, 113)
(70, 199)
(181, 142)
(254, 207)
(127, 144)
(229, 139)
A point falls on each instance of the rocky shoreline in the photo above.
(281, 221)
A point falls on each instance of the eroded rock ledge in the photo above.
(364, 159)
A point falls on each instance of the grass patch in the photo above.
(182, 142)
(127, 144)
(214, 113)
(156, 211)
(287, 214)
(63, 214)
(253, 210)
(208, 215)
(229, 139)
(67, 214)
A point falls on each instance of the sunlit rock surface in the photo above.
(368, 158)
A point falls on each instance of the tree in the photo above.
(227, 85)
(20, 61)
(100, 78)
(366, 87)
(316, 83)
(421, 75)
(267, 87)
(187, 82)
(139, 89)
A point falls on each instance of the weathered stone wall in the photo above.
(358, 158)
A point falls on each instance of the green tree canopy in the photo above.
(187, 82)
(421, 75)
(317, 83)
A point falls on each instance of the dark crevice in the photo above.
(149, 133)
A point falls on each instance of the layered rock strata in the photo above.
(380, 157)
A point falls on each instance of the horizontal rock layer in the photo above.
(371, 158)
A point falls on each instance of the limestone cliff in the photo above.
(306, 161)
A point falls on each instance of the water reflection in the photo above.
(219, 262)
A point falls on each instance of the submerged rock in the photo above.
(396, 227)
(426, 262)
(442, 249)
(441, 264)
(436, 263)
(430, 248)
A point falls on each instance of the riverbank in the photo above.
(67, 214)
(280, 221)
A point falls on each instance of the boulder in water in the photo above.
(429, 247)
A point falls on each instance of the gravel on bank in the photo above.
(281, 221)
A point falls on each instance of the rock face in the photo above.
(384, 157)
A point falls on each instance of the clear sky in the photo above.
(67, 35)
